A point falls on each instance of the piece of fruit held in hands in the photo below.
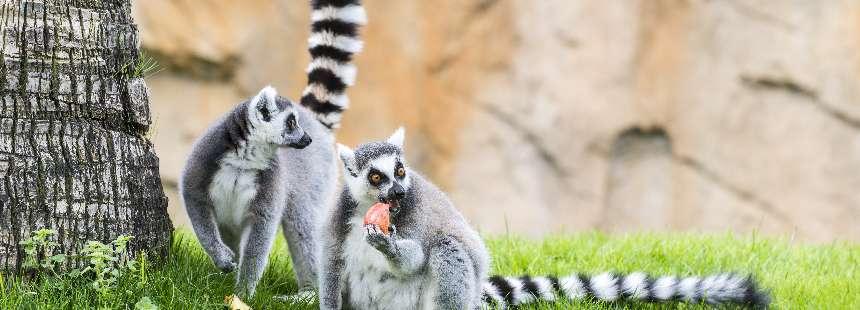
(379, 215)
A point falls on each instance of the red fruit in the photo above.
(378, 215)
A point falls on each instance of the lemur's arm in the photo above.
(199, 210)
(404, 255)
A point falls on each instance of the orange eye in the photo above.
(292, 123)
(375, 178)
(401, 172)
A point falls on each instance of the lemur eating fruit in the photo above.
(256, 168)
(433, 259)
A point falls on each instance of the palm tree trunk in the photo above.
(74, 117)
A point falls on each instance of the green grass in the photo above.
(799, 276)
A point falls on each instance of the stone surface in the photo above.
(559, 115)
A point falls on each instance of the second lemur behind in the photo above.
(256, 169)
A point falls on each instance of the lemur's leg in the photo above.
(301, 222)
(257, 240)
(405, 255)
(453, 271)
(199, 209)
(331, 274)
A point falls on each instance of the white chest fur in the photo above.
(234, 185)
(232, 191)
(373, 284)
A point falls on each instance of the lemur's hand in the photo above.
(225, 260)
(379, 240)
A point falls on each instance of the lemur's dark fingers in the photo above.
(372, 229)
(393, 230)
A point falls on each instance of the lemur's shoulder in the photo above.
(337, 224)
(441, 218)
(218, 139)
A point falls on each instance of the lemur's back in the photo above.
(310, 178)
(316, 162)
(438, 216)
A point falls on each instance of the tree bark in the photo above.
(74, 117)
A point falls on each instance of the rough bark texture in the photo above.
(74, 115)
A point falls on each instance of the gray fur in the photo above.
(434, 259)
(293, 187)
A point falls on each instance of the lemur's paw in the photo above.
(379, 240)
(226, 266)
(226, 261)
(302, 297)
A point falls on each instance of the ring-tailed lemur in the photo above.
(433, 259)
(246, 175)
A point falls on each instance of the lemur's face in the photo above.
(377, 171)
(275, 121)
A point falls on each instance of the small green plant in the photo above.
(143, 66)
(39, 252)
(146, 66)
(107, 263)
(145, 304)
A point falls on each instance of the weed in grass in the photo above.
(107, 263)
(39, 257)
(145, 304)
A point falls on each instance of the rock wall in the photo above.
(562, 115)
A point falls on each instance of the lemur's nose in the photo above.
(304, 141)
(396, 191)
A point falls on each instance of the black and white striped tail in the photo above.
(728, 288)
(332, 43)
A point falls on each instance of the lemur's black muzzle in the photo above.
(304, 141)
(396, 192)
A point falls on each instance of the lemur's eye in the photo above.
(375, 178)
(291, 122)
(401, 172)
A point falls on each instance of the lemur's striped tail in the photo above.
(504, 292)
(333, 41)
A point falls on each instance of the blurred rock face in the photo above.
(543, 116)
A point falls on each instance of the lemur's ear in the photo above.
(265, 103)
(347, 156)
(397, 137)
